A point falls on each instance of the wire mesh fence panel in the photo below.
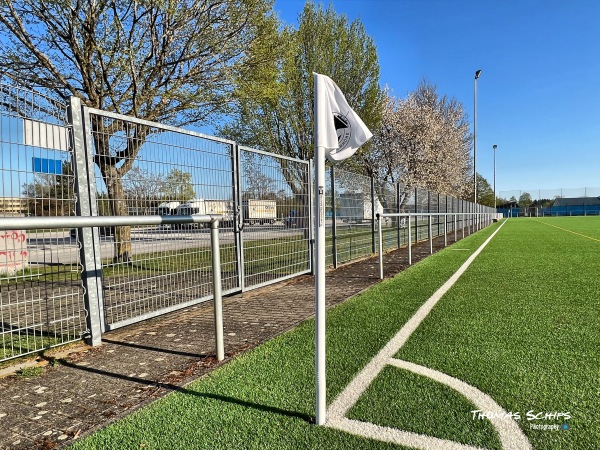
(387, 202)
(444, 202)
(406, 197)
(421, 224)
(331, 219)
(41, 293)
(275, 196)
(434, 207)
(146, 168)
(354, 214)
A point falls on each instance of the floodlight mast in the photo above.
(477, 75)
(494, 147)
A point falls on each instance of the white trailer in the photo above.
(259, 211)
(202, 206)
(223, 207)
(167, 208)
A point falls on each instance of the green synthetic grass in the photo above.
(406, 401)
(265, 398)
(522, 325)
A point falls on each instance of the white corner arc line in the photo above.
(349, 396)
(338, 409)
(387, 434)
(511, 436)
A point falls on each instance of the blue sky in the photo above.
(538, 97)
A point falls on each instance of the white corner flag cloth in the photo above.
(338, 128)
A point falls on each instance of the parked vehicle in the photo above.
(202, 207)
(167, 208)
(291, 221)
(259, 211)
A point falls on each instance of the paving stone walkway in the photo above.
(90, 387)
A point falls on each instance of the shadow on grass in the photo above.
(175, 388)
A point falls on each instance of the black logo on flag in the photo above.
(343, 129)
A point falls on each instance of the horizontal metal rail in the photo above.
(480, 219)
(29, 223)
(384, 215)
(161, 126)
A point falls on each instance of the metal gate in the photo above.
(40, 272)
(274, 222)
(146, 168)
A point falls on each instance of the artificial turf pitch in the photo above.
(521, 325)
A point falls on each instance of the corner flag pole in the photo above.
(338, 133)
(320, 309)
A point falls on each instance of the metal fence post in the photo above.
(462, 221)
(416, 218)
(373, 209)
(217, 292)
(380, 246)
(238, 223)
(455, 227)
(334, 220)
(438, 216)
(409, 243)
(85, 188)
(311, 212)
(398, 211)
(445, 230)
(429, 220)
(430, 235)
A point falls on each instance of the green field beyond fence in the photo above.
(521, 325)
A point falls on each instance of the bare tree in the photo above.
(173, 61)
(257, 182)
(177, 186)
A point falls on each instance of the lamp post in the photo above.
(495, 146)
(477, 75)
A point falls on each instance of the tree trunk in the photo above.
(118, 206)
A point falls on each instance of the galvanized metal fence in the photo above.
(274, 224)
(354, 201)
(143, 167)
(481, 219)
(41, 287)
(59, 161)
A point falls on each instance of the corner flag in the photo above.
(338, 132)
(338, 129)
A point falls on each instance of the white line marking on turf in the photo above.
(341, 405)
(387, 434)
(566, 229)
(511, 436)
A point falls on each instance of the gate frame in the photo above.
(96, 267)
(238, 169)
